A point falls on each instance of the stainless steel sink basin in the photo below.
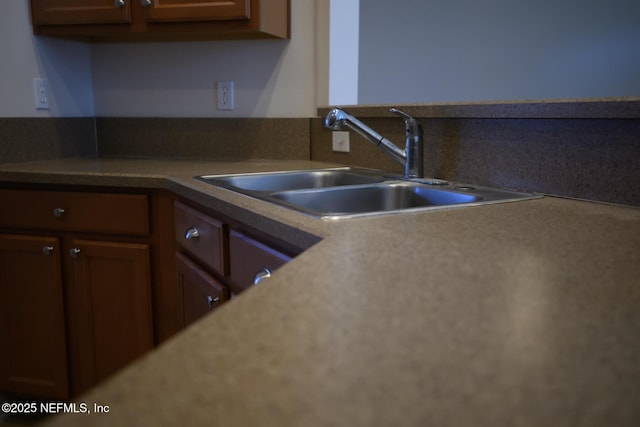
(352, 192)
(294, 180)
(372, 198)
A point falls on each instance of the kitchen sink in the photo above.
(371, 198)
(295, 180)
(339, 193)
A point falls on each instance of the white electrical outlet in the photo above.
(225, 95)
(340, 141)
(41, 93)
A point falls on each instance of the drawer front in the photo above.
(249, 258)
(108, 213)
(202, 236)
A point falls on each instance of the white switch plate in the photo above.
(341, 141)
(225, 95)
(41, 93)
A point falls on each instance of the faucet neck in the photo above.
(410, 157)
(413, 165)
(413, 147)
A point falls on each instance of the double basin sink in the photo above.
(337, 193)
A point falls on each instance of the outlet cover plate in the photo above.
(225, 95)
(41, 93)
(340, 141)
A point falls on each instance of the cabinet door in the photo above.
(33, 359)
(59, 12)
(110, 318)
(196, 10)
(200, 292)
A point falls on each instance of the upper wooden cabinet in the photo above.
(203, 10)
(140, 20)
(61, 12)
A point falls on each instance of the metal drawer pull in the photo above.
(119, 3)
(261, 275)
(58, 212)
(74, 252)
(212, 300)
(47, 250)
(145, 3)
(192, 233)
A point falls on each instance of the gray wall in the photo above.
(65, 64)
(273, 78)
(466, 50)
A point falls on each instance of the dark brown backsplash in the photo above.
(239, 138)
(26, 139)
(594, 158)
(587, 158)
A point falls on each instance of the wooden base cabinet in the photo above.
(215, 261)
(76, 283)
(33, 359)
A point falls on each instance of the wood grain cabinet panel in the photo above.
(108, 213)
(77, 304)
(110, 317)
(74, 12)
(250, 258)
(201, 293)
(33, 359)
(197, 10)
(203, 236)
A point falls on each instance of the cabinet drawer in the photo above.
(249, 258)
(75, 211)
(202, 236)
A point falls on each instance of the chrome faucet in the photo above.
(410, 158)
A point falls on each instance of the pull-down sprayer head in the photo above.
(335, 119)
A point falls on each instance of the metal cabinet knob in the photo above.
(120, 3)
(145, 3)
(212, 300)
(58, 212)
(192, 233)
(74, 252)
(47, 250)
(261, 275)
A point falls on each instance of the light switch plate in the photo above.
(340, 141)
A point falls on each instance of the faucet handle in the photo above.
(411, 125)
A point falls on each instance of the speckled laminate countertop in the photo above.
(523, 313)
